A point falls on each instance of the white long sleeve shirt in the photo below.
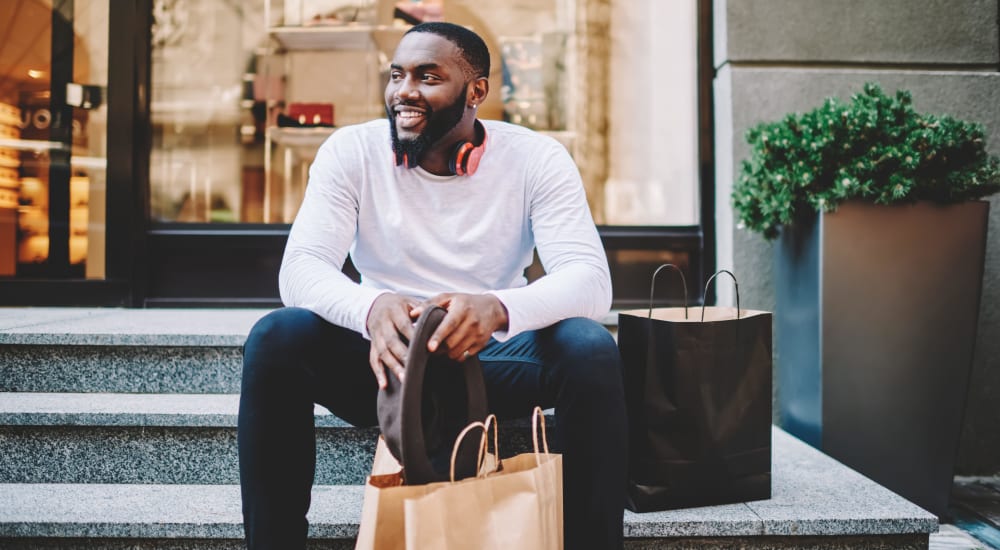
(414, 233)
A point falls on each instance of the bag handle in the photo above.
(652, 286)
(735, 284)
(538, 418)
(483, 443)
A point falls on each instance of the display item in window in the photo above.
(307, 115)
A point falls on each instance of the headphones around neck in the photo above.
(463, 160)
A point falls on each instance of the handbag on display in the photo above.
(307, 115)
(698, 395)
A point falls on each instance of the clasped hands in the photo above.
(464, 331)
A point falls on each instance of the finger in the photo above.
(459, 341)
(402, 323)
(444, 330)
(398, 350)
(441, 300)
(377, 368)
(393, 364)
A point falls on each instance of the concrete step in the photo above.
(122, 350)
(816, 503)
(163, 438)
(126, 350)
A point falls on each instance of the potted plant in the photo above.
(879, 251)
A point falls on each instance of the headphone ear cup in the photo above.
(471, 163)
(458, 161)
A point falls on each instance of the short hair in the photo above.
(472, 47)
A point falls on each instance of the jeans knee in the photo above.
(281, 334)
(591, 362)
(280, 328)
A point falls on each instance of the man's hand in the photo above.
(471, 320)
(389, 321)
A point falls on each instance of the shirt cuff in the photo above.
(513, 323)
(370, 300)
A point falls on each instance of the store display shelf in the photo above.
(299, 137)
(35, 145)
(340, 37)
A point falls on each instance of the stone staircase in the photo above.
(118, 430)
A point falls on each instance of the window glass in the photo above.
(53, 138)
(245, 92)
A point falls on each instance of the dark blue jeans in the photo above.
(293, 359)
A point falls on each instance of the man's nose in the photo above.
(408, 88)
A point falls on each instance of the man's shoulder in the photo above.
(501, 128)
(520, 139)
(363, 134)
(363, 130)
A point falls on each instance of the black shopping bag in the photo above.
(698, 392)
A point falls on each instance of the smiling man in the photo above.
(437, 207)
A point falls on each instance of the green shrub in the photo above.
(876, 148)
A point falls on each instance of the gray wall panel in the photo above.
(950, 32)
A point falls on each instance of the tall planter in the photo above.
(876, 319)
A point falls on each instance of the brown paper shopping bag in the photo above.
(382, 514)
(518, 505)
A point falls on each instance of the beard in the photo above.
(439, 123)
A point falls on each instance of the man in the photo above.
(386, 193)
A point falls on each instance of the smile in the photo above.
(408, 119)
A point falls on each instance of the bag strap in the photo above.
(712, 278)
(483, 443)
(538, 418)
(652, 287)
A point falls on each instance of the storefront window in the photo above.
(245, 92)
(202, 168)
(53, 138)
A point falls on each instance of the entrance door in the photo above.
(53, 148)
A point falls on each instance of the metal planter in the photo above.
(876, 319)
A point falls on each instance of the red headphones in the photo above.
(464, 158)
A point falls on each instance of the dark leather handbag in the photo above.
(422, 416)
(698, 393)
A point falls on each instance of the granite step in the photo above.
(816, 503)
(123, 350)
(163, 438)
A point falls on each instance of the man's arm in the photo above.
(318, 244)
(320, 239)
(577, 282)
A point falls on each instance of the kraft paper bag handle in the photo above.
(538, 417)
(483, 443)
(735, 285)
(652, 286)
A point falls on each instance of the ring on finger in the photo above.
(466, 354)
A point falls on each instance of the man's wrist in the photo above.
(502, 314)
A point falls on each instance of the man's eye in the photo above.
(430, 77)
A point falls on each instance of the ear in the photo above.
(478, 90)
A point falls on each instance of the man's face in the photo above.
(426, 94)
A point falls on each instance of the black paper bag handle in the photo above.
(710, 279)
(652, 287)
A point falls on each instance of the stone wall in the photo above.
(778, 56)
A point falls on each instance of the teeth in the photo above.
(408, 114)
